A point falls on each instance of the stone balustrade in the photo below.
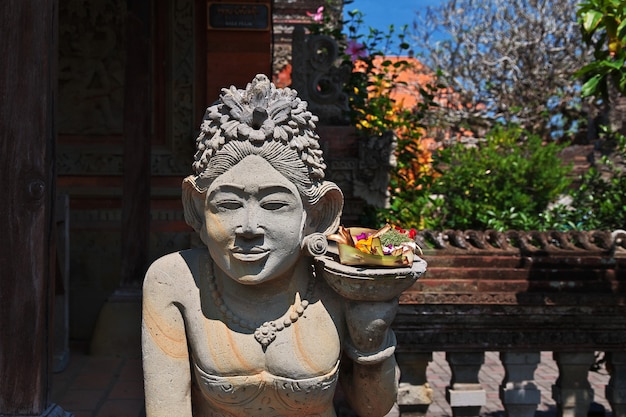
(517, 293)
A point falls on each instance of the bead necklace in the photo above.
(266, 332)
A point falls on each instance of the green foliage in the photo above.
(599, 203)
(505, 182)
(603, 25)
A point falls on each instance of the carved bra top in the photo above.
(267, 395)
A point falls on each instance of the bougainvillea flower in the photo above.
(317, 16)
(355, 50)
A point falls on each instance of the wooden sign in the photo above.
(238, 16)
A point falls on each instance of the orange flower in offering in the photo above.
(364, 245)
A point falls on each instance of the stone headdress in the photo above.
(260, 113)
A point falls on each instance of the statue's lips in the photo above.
(251, 255)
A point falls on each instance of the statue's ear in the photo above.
(325, 212)
(193, 204)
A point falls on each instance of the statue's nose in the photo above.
(250, 224)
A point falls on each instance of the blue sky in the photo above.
(380, 14)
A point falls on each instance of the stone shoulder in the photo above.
(171, 276)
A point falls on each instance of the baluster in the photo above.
(465, 394)
(572, 392)
(518, 391)
(414, 393)
(616, 389)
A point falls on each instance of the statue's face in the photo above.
(254, 222)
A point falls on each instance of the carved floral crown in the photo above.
(259, 114)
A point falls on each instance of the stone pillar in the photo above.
(616, 389)
(572, 392)
(465, 394)
(518, 392)
(414, 393)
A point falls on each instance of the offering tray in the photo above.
(367, 283)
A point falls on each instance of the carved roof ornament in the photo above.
(261, 113)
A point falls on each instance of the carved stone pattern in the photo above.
(343, 164)
(91, 66)
(456, 298)
(180, 101)
(115, 215)
(319, 77)
(409, 297)
(175, 159)
(376, 160)
(514, 242)
(500, 339)
(281, 57)
(429, 327)
(74, 162)
(341, 172)
(488, 313)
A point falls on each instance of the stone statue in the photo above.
(245, 327)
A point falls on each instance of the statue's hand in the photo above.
(368, 322)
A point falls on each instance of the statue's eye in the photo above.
(274, 205)
(228, 204)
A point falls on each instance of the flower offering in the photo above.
(389, 246)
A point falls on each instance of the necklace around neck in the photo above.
(264, 333)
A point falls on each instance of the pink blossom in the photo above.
(317, 16)
(356, 50)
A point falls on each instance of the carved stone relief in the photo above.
(180, 101)
(376, 159)
(91, 88)
(318, 76)
(91, 66)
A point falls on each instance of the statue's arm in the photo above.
(370, 376)
(167, 379)
(371, 390)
